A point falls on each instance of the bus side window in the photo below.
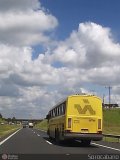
(58, 110)
(52, 113)
(64, 107)
(61, 109)
(55, 111)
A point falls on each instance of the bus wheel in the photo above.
(86, 142)
(48, 133)
(49, 136)
(57, 136)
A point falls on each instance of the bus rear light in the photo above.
(69, 122)
(99, 132)
(99, 123)
(67, 131)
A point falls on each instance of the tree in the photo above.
(13, 119)
(9, 120)
(1, 115)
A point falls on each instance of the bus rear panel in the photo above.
(83, 118)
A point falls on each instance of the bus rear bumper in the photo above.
(83, 136)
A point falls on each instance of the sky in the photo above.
(50, 49)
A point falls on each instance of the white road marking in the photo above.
(67, 154)
(38, 135)
(103, 146)
(77, 141)
(106, 147)
(49, 142)
(9, 137)
(43, 131)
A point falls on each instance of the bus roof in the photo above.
(63, 100)
(74, 95)
(84, 95)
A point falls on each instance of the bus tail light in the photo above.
(69, 122)
(99, 132)
(67, 131)
(99, 123)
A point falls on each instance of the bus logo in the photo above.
(84, 110)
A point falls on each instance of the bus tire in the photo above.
(50, 137)
(48, 133)
(57, 136)
(86, 142)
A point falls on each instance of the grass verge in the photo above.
(111, 124)
(42, 125)
(111, 121)
(7, 129)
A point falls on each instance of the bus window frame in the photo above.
(57, 110)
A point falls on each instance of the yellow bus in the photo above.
(76, 117)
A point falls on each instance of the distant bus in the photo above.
(76, 117)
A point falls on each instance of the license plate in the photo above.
(84, 130)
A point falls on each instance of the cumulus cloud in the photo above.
(93, 52)
(22, 24)
(91, 46)
(22, 5)
(89, 55)
(25, 27)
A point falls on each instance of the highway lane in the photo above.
(26, 141)
(76, 147)
(33, 141)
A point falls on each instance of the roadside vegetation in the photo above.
(2, 120)
(6, 128)
(111, 121)
(42, 125)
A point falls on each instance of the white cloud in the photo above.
(89, 47)
(88, 55)
(25, 27)
(16, 5)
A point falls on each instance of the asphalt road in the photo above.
(35, 142)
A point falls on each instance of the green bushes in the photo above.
(111, 121)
